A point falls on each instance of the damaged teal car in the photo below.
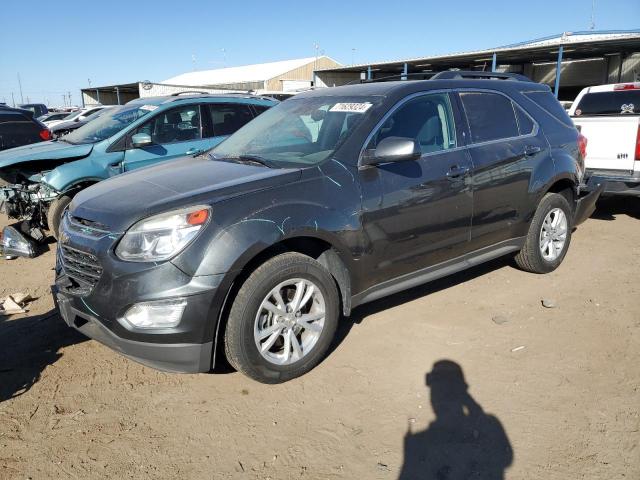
(37, 182)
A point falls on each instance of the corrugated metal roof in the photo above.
(554, 40)
(248, 73)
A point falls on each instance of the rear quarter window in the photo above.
(16, 130)
(549, 103)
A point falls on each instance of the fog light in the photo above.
(15, 244)
(160, 314)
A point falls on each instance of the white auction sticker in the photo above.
(350, 107)
(150, 108)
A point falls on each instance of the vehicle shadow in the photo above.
(463, 441)
(608, 208)
(27, 346)
(363, 311)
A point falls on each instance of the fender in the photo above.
(68, 175)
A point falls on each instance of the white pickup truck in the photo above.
(609, 117)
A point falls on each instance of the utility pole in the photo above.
(593, 15)
(20, 85)
(69, 93)
(353, 56)
(64, 100)
(13, 100)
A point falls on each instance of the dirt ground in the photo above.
(549, 393)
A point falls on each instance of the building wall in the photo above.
(159, 90)
(335, 79)
(302, 73)
(90, 97)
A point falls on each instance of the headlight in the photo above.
(162, 236)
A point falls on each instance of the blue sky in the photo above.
(57, 46)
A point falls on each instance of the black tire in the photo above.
(530, 258)
(240, 346)
(54, 214)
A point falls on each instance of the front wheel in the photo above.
(549, 235)
(283, 319)
(55, 212)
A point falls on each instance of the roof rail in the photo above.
(461, 74)
(188, 92)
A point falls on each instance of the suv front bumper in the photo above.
(170, 357)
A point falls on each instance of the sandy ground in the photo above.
(552, 393)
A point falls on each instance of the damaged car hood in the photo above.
(123, 200)
(44, 151)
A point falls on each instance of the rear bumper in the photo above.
(586, 205)
(615, 184)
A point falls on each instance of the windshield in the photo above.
(609, 103)
(298, 132)
(108, 124)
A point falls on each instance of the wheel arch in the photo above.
(318, 248)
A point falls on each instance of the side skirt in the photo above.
(440, 270)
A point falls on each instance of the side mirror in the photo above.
(393, 149)
(140, 140)
(78, 119)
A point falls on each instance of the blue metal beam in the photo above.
(405, 71)
(369, 72)
(558, 71)
(493, 62)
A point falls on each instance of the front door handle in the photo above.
(194, 151)
(531, 150)
(456, 172)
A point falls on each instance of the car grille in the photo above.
(82, 269)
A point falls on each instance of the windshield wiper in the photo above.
(255, 159)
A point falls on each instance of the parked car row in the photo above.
(42, 178)
(326, 201)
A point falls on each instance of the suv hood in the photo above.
(44, 151)
(123, 200)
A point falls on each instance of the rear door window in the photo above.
(227, 118)
(427, 119)
(525, 124)
(609, 103)
(491, 116)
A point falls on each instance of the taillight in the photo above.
(45, 134)
(638, 144)
(627, 86)
(582, 145)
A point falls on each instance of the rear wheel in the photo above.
(549, 235)
(283, 319)
(55, 212)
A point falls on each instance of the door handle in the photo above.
(531, 150)
(456, 172)
(194, 151)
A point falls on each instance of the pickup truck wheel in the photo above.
(283, 319)
(549, 235)
(54, 214)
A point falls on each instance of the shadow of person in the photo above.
(463, 442)
(27, 346)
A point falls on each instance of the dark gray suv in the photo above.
(331, 199)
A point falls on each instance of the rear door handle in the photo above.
(531, 150)
(194, 151)
(457, 172)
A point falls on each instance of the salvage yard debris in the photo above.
(14, 303)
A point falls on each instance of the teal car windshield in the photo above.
(107, 124)
(299, 132)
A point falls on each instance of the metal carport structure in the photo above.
(614, 57)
